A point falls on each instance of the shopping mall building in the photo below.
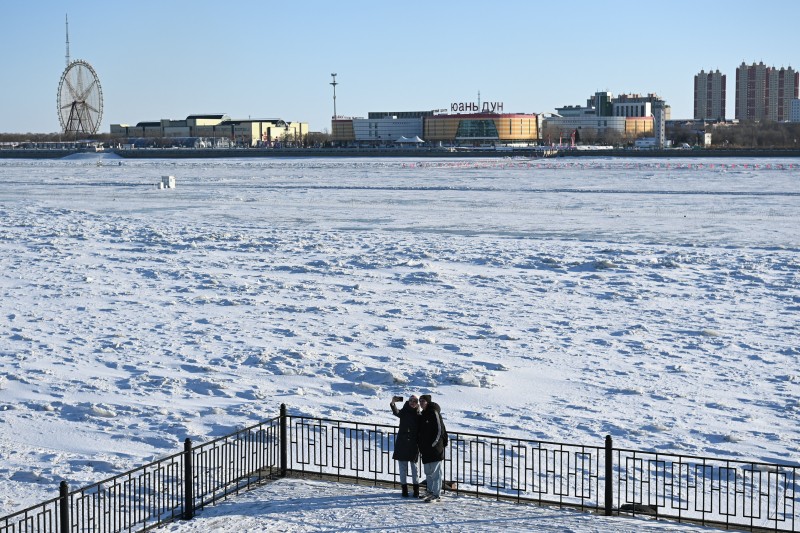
(440, 128)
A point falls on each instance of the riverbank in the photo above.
(226, 153)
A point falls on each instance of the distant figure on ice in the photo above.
(406, 451)
(432, 441)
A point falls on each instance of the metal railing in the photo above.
(477, 464)
(719, 492)
(726, 493)
(170, 488)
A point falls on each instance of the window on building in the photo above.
(477, 129)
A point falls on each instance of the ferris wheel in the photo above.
(80, 99)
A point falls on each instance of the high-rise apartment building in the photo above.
(765, 93)
(709, 96)
(794, 110)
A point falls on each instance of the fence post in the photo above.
(609, 476)
(284, 444)
(63, 506)
(188, 482)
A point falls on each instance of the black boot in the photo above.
(405, 490)
(416, 491)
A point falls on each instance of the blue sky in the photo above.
(266, 59)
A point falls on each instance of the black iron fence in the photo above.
(603, 479)
(168, 489)
(719, 492)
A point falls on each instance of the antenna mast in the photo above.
(66, 18)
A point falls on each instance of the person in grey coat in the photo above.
(406, 451)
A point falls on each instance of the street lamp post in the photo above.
(333, 75)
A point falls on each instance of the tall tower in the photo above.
(765, 93)
(334, 83)
(66, 19)
(709, 95)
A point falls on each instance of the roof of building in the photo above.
(219, 116)
(246, 120)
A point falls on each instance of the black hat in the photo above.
(426, 397)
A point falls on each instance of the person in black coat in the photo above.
(432, 441)
(406, 451)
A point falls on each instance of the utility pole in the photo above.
(333, 75)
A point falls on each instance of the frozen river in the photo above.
(652, 300)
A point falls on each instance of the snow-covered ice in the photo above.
(652, 300)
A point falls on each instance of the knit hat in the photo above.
(426, 397)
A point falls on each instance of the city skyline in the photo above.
(260, 60)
